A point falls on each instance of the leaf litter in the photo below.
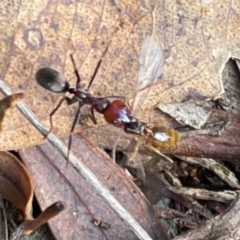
(182, 73)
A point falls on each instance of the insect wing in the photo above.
(151, 63)
(151, 68)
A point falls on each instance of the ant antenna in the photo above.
(94, 73)
(97, 67)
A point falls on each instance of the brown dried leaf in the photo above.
(55, 180)
(31, 224)
(6, 104)
(189, 113)
(16, 185)
(158, 187)
(197, 39)
(219, 225)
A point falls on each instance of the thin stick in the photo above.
(89, 177)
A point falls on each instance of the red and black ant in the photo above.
(115, 112)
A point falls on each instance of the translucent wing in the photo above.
(151, 68)
(151, 63)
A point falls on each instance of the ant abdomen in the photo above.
(52, 80)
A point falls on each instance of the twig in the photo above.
(221, 171)
(88, 176)
(4, 227)
(223, 196)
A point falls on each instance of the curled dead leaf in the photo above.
(50, 212)
(7, 103)
(17, 187)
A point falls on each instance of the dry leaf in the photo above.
(189, 113)
(220, 224)
(221, 171)
(6, 104)
(55, 180)
(17, 187)
(45, 33)
(31, 224)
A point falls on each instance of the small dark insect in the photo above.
(101, 224)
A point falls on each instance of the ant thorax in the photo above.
(82, 94)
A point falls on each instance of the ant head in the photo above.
(134, 127)
(52, 80)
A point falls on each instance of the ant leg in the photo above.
(77, 116)
(78, 75)
(76, 72)
(52, 113)
(92, 116)
(97, 67)
(94, 73)
(122, 97)
(159, 153)
(69, 102)
(72, 100)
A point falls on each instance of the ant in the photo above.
(115, 112)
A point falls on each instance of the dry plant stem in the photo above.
(224, 196)
(222, 172)
(4, 227)
(89, 177)
(159, 153)
(225, 226)
(139, 142)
